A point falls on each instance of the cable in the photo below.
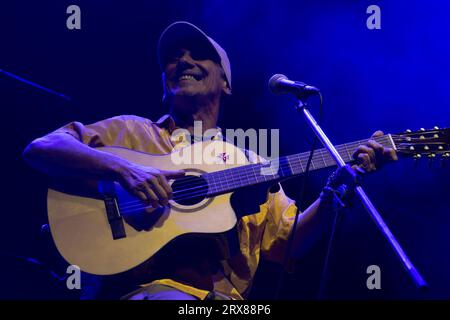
(35, 85)
(324, 275)
(287, 253)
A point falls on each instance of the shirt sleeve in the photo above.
(280, 216)
(109, 132)
(264, 234)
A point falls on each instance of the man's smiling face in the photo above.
(190, 71)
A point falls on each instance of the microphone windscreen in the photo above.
(274, 86)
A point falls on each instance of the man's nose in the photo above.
(186, 58)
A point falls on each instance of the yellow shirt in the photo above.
(264, 233)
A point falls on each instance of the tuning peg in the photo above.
(431, 157)
(416, 158)
(436, 128)
(411, 148)
(422, 129)
(408, 131)
(422, 137)
(435, 135)
(444, 159)
(426, 148)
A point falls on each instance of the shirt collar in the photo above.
(167, 122)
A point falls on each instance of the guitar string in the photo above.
(190, 195)
(230, 183)
(319, 153)
(304, 156)
(194, 194)
(259, 166)
(201, 193)
(283, 162)
(223, 173)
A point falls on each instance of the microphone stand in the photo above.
(351, 177)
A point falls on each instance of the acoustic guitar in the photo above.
(112, 231)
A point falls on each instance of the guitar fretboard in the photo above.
(224, 181)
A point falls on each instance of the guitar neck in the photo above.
(281, 168)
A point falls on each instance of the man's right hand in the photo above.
(61, 155)
(150, 185)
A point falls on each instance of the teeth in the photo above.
(186, 77)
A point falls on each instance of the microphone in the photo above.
(279, 84)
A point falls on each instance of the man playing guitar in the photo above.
(196, 76)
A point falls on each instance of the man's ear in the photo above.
(226, 88)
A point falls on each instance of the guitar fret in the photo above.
(254, 174)
(348, 153)
(290, 166)
(323, 159)
(301, 164)
(247, 178)
(214, 186)
(312, 163)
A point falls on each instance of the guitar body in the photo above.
(82, 232)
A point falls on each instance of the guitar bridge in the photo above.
(115, 219)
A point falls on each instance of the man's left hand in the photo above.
(372, 155)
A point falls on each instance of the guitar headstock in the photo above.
(423, 143)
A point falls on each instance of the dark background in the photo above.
(389, 79)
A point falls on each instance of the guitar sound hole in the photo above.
(189, 190)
